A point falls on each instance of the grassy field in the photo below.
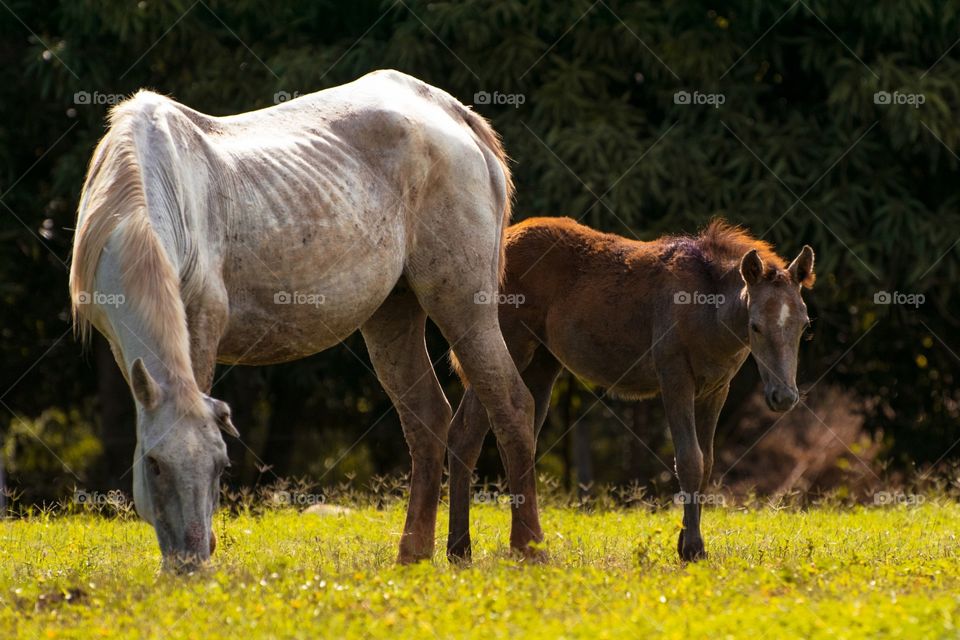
(828, 572)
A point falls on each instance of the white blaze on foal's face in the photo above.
(784, 315)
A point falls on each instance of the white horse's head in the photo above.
(176, 472)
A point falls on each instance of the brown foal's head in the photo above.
(777, 321)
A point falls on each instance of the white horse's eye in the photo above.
(153, 465)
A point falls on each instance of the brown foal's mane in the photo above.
(721, 245)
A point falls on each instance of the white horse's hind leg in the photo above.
(458, 288)
(395, 340)
(510, 408)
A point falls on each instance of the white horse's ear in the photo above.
(751, 267)
(801, 269)
(221, 413)
(145, 388)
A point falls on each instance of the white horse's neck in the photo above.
(132, 336)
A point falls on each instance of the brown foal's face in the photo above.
(777, 322)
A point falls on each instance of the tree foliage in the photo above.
(799, 151)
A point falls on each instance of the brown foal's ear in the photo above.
(145, 388)
(801, 269)
(221, 413)
(751, 267)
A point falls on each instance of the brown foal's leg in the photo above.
(467, 432)
(676, 388)
(540, 376)
(395, 340)
(707, 412)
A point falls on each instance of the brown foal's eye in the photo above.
(755, 328)
(808, 332)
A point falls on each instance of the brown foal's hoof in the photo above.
(532, 552)
(692, 551)
(459, 550)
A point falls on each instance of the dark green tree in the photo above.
(801, 150)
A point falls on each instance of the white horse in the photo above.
(268, 236)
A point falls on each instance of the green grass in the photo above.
(831, 572)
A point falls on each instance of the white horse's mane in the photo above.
(114, 200)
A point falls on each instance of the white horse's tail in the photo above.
(114, 203)
(489, 141)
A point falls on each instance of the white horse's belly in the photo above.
(300, 294)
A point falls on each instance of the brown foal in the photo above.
(676, 317)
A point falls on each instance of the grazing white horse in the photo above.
(268, 236)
